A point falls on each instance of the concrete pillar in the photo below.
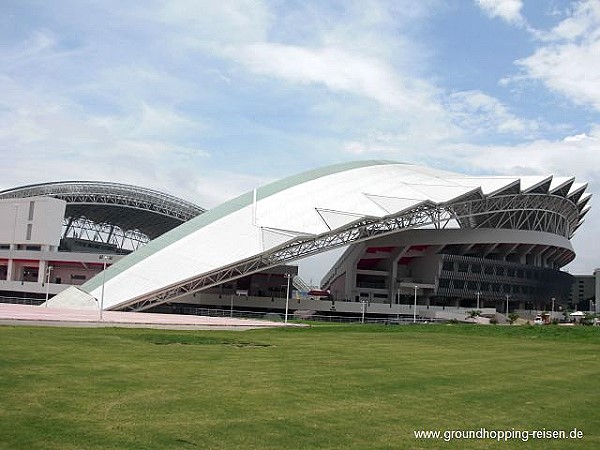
(393, 273)
(597, 289)
(42, 271)
(9, 270)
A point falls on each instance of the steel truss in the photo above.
(530, 211)
(89, 230)
(93, 192)
(536, 212)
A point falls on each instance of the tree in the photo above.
(512, 317)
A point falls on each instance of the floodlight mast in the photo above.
(104, 259)
(415, 309)
(48, 270)
(287, 295)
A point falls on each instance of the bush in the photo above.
(512, 317)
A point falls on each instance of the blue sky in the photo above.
(207, 100)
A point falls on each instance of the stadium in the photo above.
(51, 234)
(418, 242)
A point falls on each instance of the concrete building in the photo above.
(585, 291)
(54, 235)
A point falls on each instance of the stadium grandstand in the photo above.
(419, 241)
(53, 234)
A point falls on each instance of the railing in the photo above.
(278, 316)
(272, 316)
(22, 300)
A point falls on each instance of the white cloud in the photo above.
(200, 22)
(481, 114)
(49, 139)
(39, 44)
(340, 71)
(568, 61)
(579, 138)
(151, 122)
(508, 10)
(576, 155)
(582, 23)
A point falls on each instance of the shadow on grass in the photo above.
(193, 339)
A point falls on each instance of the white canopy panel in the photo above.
(308, 204)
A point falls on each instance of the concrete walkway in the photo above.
(40, 316)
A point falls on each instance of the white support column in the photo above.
(41, 278)
(393, 272)
(9, 270)
(350, 267)
(597, 283)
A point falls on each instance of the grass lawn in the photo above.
(332, 387)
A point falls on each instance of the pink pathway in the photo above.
(37, 315)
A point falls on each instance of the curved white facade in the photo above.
(327, 208)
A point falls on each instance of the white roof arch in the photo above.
(316, 205)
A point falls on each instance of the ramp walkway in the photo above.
(11, 314)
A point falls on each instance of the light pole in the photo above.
(287, 295)
(415, 309)
(478, 294)
(104, 259)
(231, 306)
(507, 297)
(363, 311)
(552, 318)
(48, 270)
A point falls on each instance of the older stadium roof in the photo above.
(125, 206)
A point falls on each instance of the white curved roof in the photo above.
(313, 203)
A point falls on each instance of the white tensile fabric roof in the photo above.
(307, 204)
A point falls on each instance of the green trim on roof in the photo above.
(221, 211)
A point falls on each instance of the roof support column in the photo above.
(10, 270)
(41, 278)
(393, 272)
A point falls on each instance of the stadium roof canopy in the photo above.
(139, 214)
(326, 208)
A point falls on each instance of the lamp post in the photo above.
(104, 259)
(507, 297)
(48, 270)
(363, 311)
(415, 309)
(552, 317)
(287, 295)
(478, 294)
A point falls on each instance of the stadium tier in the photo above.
(442, 238)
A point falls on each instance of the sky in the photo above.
(207, 100)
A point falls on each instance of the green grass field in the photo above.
(332, 387)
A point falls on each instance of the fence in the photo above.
(278, 317)
(22, 300)
(273, 316)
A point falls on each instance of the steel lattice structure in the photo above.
(123, 215)
(328, 208)
(82, 228)
(536, 212)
